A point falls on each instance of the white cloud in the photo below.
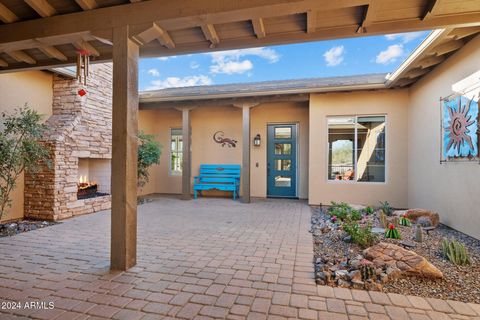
(194, 65)
(404, 37)
(153, 72)
(390, 54)
(231, 67)
(176, 82)
(334, 56)
(230, 62)
(166, 58)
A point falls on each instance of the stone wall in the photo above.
(80, 127)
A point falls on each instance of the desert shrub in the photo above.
(386, 208)
(20, 150)
(363, 236)
(343, 211)
(455, 252)
(369, 210)
(149, 151)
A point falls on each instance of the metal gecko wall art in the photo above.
(219, 137)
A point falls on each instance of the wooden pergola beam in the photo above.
(369, 16)
(42, 7)
(259, 27)
(21, 56)
(6, 15)
(87, 4)
(3, 63)
(210, 33)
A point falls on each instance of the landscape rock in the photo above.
(410, 263)
(415, 214)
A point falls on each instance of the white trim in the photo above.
(172, 173)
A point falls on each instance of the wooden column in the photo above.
(246, 145)
(124, 151)
(187, 154)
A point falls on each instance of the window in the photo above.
(176, 151)
(356, 148)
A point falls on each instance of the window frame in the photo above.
(356, 116)
(171, 172)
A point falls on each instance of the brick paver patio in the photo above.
(209, 258)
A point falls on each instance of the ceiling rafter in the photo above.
(3, 63)
(259, 28)
(447, 47)
(87, 4)
(52, 52)
(431, 61)
(21, 56)
(432, 9)
(369, 15)
(85, 45)
(311, 21)
(6, 15)
(210, 34)
(42, 7)
(155, 32)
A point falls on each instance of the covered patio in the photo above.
(212, 258)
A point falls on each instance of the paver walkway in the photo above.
(209, 258)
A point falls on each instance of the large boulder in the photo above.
(407, 261)
(423, 215)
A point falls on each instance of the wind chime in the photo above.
(83, 64)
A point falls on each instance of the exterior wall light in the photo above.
(257, 140)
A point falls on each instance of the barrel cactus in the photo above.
(392, 232)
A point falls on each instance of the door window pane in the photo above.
(283, 133)
(176, 151)
(283, 164)
(283, 148)
(283, 181)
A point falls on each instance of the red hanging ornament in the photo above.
(82, 92)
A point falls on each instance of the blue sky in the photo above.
(314, 59)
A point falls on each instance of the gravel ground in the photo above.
(460, 283)
(13, 228)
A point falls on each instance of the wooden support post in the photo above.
(246, 144)
(124, 151)
(246, 154)
(187, 158)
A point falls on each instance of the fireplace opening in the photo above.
(93, 178)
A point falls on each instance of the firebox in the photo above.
(93, 178)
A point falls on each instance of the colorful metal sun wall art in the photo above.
(460, 128)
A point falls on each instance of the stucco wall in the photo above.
(452, 189)
(16, 89)
(393, 104)
(205, 122)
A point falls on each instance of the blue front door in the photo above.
(282, 160)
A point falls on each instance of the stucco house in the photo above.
(359, 139)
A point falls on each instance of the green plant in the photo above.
(386, 208)
(368, 210)
(362, 236)
(355, 215)
(392, 232)
(340, 210)
(405, 222)
(367, 271)
(149, 151)
(20, 150)
(455, 252)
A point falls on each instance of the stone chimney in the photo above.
(80, 140)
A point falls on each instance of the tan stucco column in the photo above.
(187, 153)
(124, 151)
(246, 144)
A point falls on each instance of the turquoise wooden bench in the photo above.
(223, 177)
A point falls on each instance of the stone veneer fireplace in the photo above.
(80, 140)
